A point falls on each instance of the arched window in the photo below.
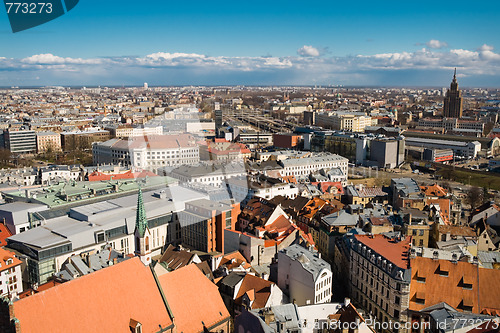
(147, 243)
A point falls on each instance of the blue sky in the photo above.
(258, 42)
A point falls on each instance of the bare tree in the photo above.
(474, 197)
(5, 157)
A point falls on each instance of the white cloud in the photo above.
(50, 59)
(485, 47)
(308, 51)
(279, 70)
(436, 44)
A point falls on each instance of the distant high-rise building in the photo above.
(145, 85)
(453, 100)
(218, 119)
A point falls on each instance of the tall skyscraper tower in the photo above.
(453, 100)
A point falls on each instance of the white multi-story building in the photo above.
(300, 167)
(344, 121)
(129, 131)
(450, 124)
(11, 283)
(58, 173)
(304, 276)
(208, 174)
(242, 188)
(460, 148)
(149, 153)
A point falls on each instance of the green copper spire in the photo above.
(141, 222)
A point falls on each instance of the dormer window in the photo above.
(99, 237)
(135, 326)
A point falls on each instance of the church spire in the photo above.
(141, 223)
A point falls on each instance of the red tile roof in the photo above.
(104, 301)
(483, 294)
(260, 288)
(193, 299)
(4, 234)
(434, 191)
(395, 252)
(98, 176)
(6, 255)
(40, 288)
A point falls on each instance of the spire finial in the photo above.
(455, 74)
(141, 222)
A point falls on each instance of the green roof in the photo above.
(67, 193)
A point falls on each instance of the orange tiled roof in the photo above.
(450, 289)
(4, 256)
(98, 176)
(489, 291)
(261, 289)
(4, 234)
(238, 260)
(392, 251)
(103, 301)
(444, 204)
(312, 207)
(434, 191)
(193, 299)
(289, 179)
(40, 288)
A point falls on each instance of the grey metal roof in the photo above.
(340, 218)
(310, 261)
(488, 258)
(233, 279)
(80, 226)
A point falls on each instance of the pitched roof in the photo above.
(434, 191)
(395, 252)
(175, 259)
(103, 301)
(233, 260)
(454, 283)
(6, 255)
(42, 287)
(4, 233)
(259, 288)
(457, 230)
(194, 300)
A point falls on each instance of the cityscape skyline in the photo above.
(274, 43)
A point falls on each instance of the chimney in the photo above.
(347, 301)
(435, 255)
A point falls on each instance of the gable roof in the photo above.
(254, 286)
(483, 295)
(434, 191)
(4, 234)
(175, 259)
(103, 301)
(194, 300)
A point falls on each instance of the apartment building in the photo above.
(344, 121)
(48, 141)
(11, 283)
(150, 153)
(304, 276)
(130, 131)
(380, 276)
(303, 167)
